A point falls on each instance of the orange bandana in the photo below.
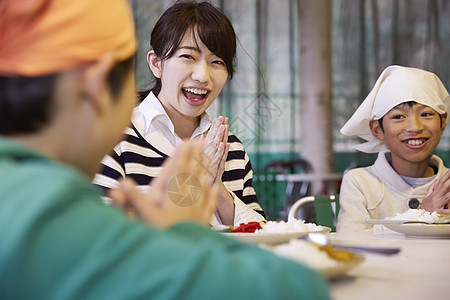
(39, 37)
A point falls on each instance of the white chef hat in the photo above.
(395, 85)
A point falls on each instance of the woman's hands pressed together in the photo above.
(217, 147)
(216, 152)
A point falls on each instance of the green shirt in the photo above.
(58, 241)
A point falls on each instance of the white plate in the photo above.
(341, 269)
(306, 253)
(273, 238)
(422, 230)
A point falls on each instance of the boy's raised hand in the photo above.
(438, 196)
(182, 192)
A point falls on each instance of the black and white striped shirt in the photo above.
(151, 139)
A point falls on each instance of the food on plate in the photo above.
(416, 215)
(290, 226)
(276, 227)
(248, 227)
(337, 254)
(313, 255)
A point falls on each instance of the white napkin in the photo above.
(395, 85)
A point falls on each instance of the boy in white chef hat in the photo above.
(402, 119)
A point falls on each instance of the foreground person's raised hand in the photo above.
(182, 192)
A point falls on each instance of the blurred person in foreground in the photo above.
(66, 95)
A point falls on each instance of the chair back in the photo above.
(293, 189)
(326, 209)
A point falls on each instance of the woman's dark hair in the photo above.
(211, 25)
(26, 103)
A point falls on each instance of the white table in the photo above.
(420, 271)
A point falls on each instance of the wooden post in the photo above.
(316, 86)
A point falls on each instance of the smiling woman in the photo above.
(193, 48)
(191, 80)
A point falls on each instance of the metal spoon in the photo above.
(323, 240)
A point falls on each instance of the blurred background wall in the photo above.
(263, 99)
